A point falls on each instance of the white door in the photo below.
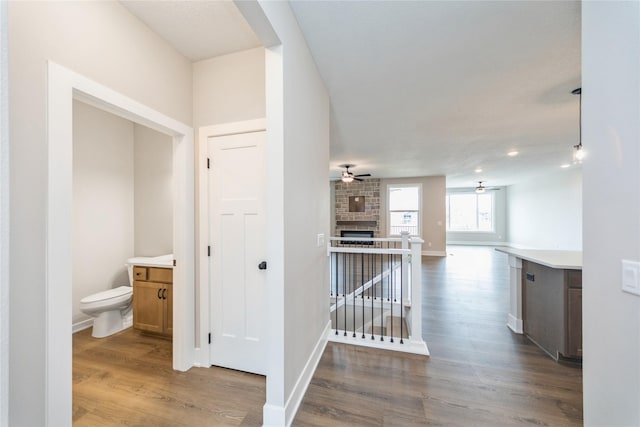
(237, 185)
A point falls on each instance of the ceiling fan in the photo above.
(348, 176)
(481, 188)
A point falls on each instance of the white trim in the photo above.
(63, 86)
(4, 218)
(475, 243)
(203, 356)
(81, 325)
(276, 416)
(434, 253)
(409, 346)
(515, 324)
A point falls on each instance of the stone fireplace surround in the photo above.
(368, 220)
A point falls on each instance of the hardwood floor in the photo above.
(127, 379)
(478, 374)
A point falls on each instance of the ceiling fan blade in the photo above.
(357, 179)
(364, 174)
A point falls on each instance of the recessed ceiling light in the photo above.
(566, 165)
(478, 170)
(512, 153)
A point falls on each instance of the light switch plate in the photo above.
(320, 240)
(631, 277)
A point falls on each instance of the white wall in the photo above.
(433, 225)
(4, 220)
(102, 41)
(496, 237)
(611, 135)
(226, 89)
(229, 88)
(546, 213)
(153, 192)
(298, 154)
(103, 202)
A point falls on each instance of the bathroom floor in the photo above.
(126, 379)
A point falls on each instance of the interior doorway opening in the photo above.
(63, 87)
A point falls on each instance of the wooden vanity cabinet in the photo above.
(552, 309)
(153, 300)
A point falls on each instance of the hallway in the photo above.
(479, 372)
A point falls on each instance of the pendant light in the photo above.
(578, 154)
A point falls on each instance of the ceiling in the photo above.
(422, 88)
(197, 29)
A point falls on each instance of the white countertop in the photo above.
(568, 260)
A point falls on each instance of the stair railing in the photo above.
(375, 292)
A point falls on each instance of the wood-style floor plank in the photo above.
(127, 379)
(479, 372)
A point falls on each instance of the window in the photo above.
(470, 212)
(404, 209)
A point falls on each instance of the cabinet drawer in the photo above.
(139, 273)
(162, 275)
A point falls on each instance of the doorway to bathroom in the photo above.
(65, 86)
(122, 218)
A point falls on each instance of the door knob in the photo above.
(262, 265)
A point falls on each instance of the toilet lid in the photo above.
(105, 295)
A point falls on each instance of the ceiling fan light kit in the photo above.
(480, 189)
(348, 176)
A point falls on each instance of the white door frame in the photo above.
(4, 218)
(204, 133)
(63, 87)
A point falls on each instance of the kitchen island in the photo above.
(546, 299)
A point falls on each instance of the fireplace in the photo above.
(356, 233)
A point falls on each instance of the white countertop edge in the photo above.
(566, 260)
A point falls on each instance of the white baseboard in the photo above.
(196, 357)
(434, 253)
(81, 325)
(410, 346)
(277, 416)
(515, 324)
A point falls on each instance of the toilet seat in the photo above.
(108, 294)
(106, 300)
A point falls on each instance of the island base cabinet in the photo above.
(552, 309)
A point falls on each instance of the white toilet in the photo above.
(112, 310)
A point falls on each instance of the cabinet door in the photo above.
(148, 307)
(168, 302)
(574, 322)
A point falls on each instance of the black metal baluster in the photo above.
(363, 282)
(373, 270)
(393, 283)
(353, 292)
(337, 295)
(344, 289)
(382, 294)
(401, 300)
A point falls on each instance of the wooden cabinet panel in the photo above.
(544, 306)
(148, 307)
(169, 310)
(574, 322)
(153, 300)
(162, 275)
